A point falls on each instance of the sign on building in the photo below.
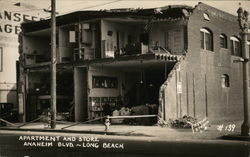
(11, 16)
(179, 87)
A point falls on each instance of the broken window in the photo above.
(206, 39)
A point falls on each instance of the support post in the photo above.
(53, 66)
(194, 106)
(243, 23)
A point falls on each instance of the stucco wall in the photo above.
(170, 96)
(11, 17)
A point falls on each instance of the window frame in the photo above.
(206, 39)
(225, 81)
(233, 41)
(104, 82)
(223, 38)
(206, 16)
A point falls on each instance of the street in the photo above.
(15, 143)
(124, 79)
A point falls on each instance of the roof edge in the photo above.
(215, 11)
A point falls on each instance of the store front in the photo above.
(38, 95)
(120, 89)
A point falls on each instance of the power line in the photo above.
(97, 5)
(72, 5)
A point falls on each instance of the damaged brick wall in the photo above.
(200, 72)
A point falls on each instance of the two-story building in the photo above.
(176, 58)
(11, 16)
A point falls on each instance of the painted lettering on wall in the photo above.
(13, 20)
(68, 142)
(8, 41)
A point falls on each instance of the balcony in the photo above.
(105, 38)
(123, 37)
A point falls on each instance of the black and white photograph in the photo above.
(124, 78)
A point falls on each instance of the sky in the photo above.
(66, 6)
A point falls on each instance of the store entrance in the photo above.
(136, 93)
(143, 89)
(141, 93)
(38, 95)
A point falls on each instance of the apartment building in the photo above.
(175, 60)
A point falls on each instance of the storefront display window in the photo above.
(98, 105)
(104, 82)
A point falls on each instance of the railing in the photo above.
(196, 127)
(74, 124)
(47, 121)
(7, 122)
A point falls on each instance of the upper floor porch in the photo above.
(107, 37)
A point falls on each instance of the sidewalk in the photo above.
(212, 133)
(120, 140)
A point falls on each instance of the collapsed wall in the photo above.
(208, 81)
(197, 91)
(168, 94)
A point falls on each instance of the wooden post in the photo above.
(53, 66)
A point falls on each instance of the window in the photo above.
(235, 46)
(223, 41)
(72, 36)
(206, 16)
(206, 39)
(225, 81)
(1, 59)
(104, 82)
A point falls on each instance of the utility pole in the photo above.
(244, 26)
(53, 66)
